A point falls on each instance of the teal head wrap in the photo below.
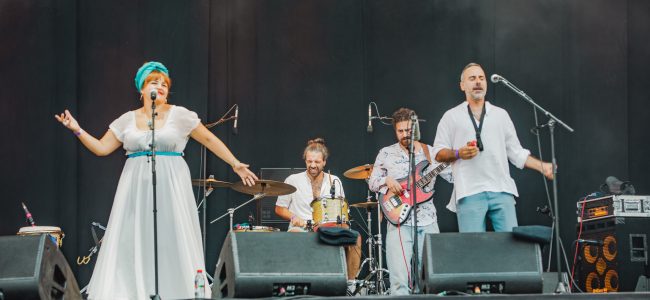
(145, 70)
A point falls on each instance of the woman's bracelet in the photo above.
(457, 154)
(234, 162)
(78, 133)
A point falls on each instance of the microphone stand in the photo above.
(413, 194)
(562, 286)
(203, 205)
(153, 185)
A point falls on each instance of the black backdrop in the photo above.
(300, 69)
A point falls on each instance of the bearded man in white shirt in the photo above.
(314, 184)
(479, 139)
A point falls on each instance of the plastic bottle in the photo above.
(199, 284)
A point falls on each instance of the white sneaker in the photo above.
(352, 287)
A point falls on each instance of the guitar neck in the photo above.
(426, 179)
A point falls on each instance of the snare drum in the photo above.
(247, 228)
(330, 211)
(54, 232)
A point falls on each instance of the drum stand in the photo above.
(375, 265)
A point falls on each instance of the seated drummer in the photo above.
(311, 185)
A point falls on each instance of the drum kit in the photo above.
(326, 211)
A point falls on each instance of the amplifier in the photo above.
(613, 206)
(619, 257)
(266, 206)
(632, 206)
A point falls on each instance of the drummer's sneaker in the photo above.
(352, 288)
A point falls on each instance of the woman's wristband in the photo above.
(234, 162)
(78, 133)
(457, 154)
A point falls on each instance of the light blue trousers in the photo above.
(473, 211)
(398, 261)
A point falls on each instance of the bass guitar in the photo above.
(397, 208)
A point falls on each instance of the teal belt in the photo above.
(148, 153)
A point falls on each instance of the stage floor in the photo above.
(621, 296)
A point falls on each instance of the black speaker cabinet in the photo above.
(32, 267)
(486, 262)
(616, 265)
(265, 264)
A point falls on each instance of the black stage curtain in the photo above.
(301, 69)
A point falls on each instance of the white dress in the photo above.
(125, 264)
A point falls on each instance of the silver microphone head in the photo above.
(496, 78)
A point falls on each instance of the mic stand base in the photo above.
(561, 288)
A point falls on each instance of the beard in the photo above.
(477, 94)
(314, 171)
(406, 141)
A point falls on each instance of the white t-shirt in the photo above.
(489, 170)
(299, 203)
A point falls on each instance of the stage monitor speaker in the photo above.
(266, 206)
(32, 267)
(266, 264)
(486, 262)
(616, 265)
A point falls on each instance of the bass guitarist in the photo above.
(389, 177)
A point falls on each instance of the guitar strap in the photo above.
(425, 148)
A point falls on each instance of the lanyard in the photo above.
(477, 128)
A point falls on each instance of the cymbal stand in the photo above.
(375, 264)
(381, 285)
(231, 211)
(202, 172)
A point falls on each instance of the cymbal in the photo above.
(369, 204)
(360, 172)
(210, 183)
(267, 187)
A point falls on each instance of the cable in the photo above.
(566, 263)
(379, 117)
(401, 244)
(575, 255)
(364, 227)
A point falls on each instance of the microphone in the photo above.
(251, 220)
(28, 215)
(416, 127)
(332, 186)
(369, 129)
(154, 94)
(98, 225)
(234, 125)
(590, 242)
(496, 78)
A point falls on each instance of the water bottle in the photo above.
(199, 284)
